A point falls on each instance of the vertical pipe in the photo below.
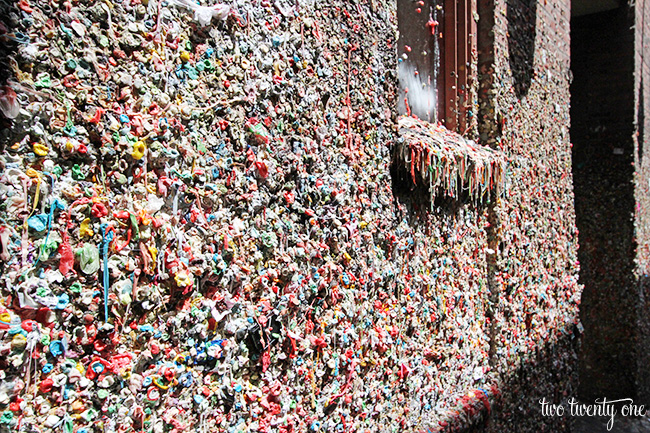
(450, 37)
(463, 61)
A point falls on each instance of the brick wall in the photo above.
(535, 271)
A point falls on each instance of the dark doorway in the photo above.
(602, 128)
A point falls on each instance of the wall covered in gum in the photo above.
(535, 272)
(201, 231)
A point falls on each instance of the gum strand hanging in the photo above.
(456, 176)
(470, 185)
(429, 166)
(108, 233)
(490, 176)
(485, 179)
(443, 174)
(413, 163)
(478, 172)
(419, 161)
(25, 236)
(448, 174)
